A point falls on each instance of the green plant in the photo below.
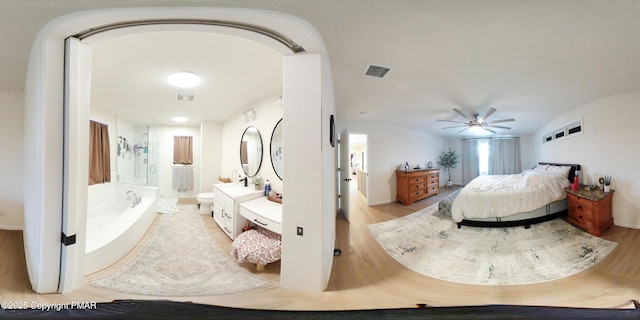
(257, 181)
(607, 180)
(448, 160)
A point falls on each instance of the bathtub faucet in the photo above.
(136, 198)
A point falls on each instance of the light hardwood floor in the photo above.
(365, 277)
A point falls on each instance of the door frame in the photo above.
(44, 142)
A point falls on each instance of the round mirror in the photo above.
(277, 147)
(251, 151)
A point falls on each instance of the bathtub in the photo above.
(113, 226)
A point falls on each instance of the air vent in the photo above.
(185, 97)
(376, 71)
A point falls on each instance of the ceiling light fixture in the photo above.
(184, 79)
(179, 119)
(248, 115)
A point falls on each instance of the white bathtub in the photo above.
(113, 226)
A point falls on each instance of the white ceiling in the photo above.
(129, 76)
(530, 59)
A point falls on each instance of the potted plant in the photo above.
(607, 183)
(257, 181)
(448, 160)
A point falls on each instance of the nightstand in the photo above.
(590, 210)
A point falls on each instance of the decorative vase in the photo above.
(449, 183)
(257, 187)
(607, 188)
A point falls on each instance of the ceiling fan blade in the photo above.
(502, 120)
(490, 112)
(501, 127)
(489, 130)
(467, 128)
(454, 127)
(452, 121)
(462, 114)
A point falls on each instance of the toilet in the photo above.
(205, 202)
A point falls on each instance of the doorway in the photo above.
(46, 152)
(358, 164)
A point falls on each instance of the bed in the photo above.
(533, 196)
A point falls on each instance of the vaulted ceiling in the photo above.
(532, 60)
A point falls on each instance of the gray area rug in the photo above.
(431, 244)
(181, 259)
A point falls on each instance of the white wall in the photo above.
(268, 113)
(388, 146)
(211, 155)
(608, 145)
(11, 144)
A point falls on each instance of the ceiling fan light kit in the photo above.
(476, 122)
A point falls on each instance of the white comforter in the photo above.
(503, 195)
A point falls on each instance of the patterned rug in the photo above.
(431, 244)
(181, 259)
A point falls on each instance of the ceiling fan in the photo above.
(476, 121)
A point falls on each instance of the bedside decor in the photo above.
(607, 183)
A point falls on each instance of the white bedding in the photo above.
(504, 195)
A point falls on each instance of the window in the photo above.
(572, 129)
(182, 150)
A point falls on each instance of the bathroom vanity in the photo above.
(264, 213)
(227, 198)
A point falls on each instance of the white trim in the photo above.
(11, 228)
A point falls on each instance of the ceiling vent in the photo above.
(376, 71)
(185, 97)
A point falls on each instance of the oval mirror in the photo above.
(277, 147)
(251, 151)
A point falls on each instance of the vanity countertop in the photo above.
(267, 209)
(236, 190)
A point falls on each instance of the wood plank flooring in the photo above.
(365, 277)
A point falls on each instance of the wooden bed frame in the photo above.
(525, 222)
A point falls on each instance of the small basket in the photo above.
(274, 199)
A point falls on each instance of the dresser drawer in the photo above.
(433, 190)
(416, 186)
(415, 174)
(261, 221)
(417, 194)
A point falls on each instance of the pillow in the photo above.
(541, 167)
(560, 170)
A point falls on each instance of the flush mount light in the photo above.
(184, 79)
(179, 119)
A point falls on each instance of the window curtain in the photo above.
(470, 160)
(99, 153)
(504, 156)
(182, 150)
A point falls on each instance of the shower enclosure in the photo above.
(137, 154)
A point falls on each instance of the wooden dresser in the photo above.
(590, 210)
(414, 185)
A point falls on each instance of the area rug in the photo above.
(431, 244)
(181, 259)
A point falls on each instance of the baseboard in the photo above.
(631, 226)
(12, 228)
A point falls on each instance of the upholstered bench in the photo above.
(259, 246)
(444, 206)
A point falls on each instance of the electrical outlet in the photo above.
(299, 231)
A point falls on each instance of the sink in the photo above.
(236, 190)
